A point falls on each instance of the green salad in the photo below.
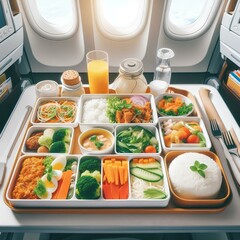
(136, 140)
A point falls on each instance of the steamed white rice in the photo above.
(94, 111)
(189, 184)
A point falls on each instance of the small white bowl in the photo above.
(174, 95)
(94, 131)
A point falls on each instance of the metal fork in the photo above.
(231, 146)
(235, 166)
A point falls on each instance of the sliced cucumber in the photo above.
(146, 165)
(157, 171)
(153, 193)
(145, 175)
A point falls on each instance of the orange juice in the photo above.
(98, 76)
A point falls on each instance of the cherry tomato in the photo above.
(186, 130)
(150, 149)
(193, 139)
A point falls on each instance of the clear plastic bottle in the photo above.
(163, 69)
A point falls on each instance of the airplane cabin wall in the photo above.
(48, 55)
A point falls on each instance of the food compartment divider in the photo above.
(110, 126)
(150, 128)
(45, 99)
(36, 203)
(35, 128)
(184, 146)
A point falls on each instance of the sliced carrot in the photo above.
(141, 160)
(114, 191)
(107, 194)
(65, 185)
(116, 175)
(125, 166)
(121, 174)
(135, 160)
(107, 161)
(123, 191)
(118, 163)
(111, 174)
(106, 172)
(55, 194)
(146, 160)
(151, 160)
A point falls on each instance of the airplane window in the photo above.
(121, 19)
(57, 12)
(55, 19)
(188, 19)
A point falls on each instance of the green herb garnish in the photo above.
(97, 143)
(40, 188)
(199, 168)
(49, 173)
(47, 163)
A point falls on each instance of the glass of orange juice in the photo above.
(98, 73)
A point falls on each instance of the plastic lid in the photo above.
(131, 67)
(165, 53)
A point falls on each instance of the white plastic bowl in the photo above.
(91, 132)
(174, 95)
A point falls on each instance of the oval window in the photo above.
(188, 19)
(55, 19)
(120, 19)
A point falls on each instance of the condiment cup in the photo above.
(158, 87)
(47, 88)
(96, 131)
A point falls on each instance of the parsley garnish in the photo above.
(199, 168)
(97, 143)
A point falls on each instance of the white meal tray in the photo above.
(110, 126)
(33, 129)
(45, 99)
(185, 146)
(81, 203)
(152, 129)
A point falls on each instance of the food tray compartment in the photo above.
(219, 200)
(110, 126)
(32, 203)
(186, 100)
(41, 100)
(184, 146)
(35, 129)
(129, 202)
(74, 202)
(151, 129)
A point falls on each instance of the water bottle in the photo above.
(163, 69)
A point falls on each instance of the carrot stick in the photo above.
(114, 190)
(107, 194)
(55, 194)
(65, 185)
(123, 191)
(121, 174)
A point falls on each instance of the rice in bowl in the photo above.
(190, 184)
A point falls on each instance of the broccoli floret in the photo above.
(62, 134)
(96, 174)
(90, 164)
(87, 188)
(45, 141)
(59, 147)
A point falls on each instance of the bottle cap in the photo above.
(131, 67)
(165, 53)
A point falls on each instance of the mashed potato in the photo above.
(190, 184)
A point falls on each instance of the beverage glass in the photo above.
(98, 71)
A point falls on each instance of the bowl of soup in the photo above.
(96, 141)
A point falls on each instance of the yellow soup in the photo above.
(97, 142)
